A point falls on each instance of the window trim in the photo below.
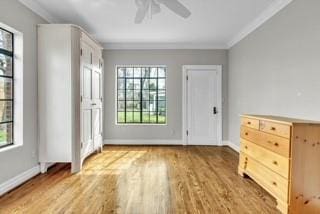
(116, 96)
(17, 90)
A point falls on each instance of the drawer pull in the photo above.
(273, 128)
(249, 123)
(246, 158)
(274, 183)
(246, 133)
(246, 147)
(276, 144)
(275, 162)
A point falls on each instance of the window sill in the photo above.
(140, 124)
(7, 148)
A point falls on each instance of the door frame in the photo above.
(185, 70)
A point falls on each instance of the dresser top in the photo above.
(279, 119)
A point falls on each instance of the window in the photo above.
(6, 87)
(141, 95)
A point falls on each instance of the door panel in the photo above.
(96, 85)
(87, 129)
(202, 98)
(91, 100)
(87, 82)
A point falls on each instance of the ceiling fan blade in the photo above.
(176, 7)
(155, 7)
(143, 6)
(140, 15)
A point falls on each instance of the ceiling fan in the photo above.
(154, 7)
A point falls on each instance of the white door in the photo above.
(203, 107)
(91, 100)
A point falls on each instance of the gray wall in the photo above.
(276, 69)
(174, 59)
(18, 160)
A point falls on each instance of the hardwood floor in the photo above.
(146, 179)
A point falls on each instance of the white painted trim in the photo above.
(232, 145)
(38, 9)
(142, 142)
(19, 179)
(185, 69)
(164, 46)
(273, 9)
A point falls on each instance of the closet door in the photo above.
(97, 101)
(87, 70)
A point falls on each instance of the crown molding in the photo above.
(273, 9)
(162, 46)
(262, 18)
(38, 9)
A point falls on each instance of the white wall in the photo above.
(18, 160)
(174, 59)
(276, 69)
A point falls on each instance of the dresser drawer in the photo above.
(271, 181)
(273, 161)
(275, 128)
(249, 122)
(274, 143)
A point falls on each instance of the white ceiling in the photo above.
(213, 23)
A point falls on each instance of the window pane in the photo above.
(161, 106)
(153, 105)
(153, 72)
(162, 117)
(121, 84)
(129, 117)
(161, 95)
(5, 111)
(129, 94)
(161, 84)
(145, 72)
(121, 72)
(145, 95)
(121, 117)
(145, 117)
(145, 83)
(137, 72)
(129, 106)
(153, 95)
(153, 84)
(5, 40)
(153, 117)
(121, 105)
(6, 134)
(136, 106)
(5, 65)
(5, 88)
(136, 117)
(121, 95)
(137, 84)
(137, 94)
(129, 84)
(161, 72)
(129, 72)
(145, 106)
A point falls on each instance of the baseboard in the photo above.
(232, 145)
(19, 179)
(142, 142)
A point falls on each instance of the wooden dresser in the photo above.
(283, 156)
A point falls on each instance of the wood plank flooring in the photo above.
(144, 180)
